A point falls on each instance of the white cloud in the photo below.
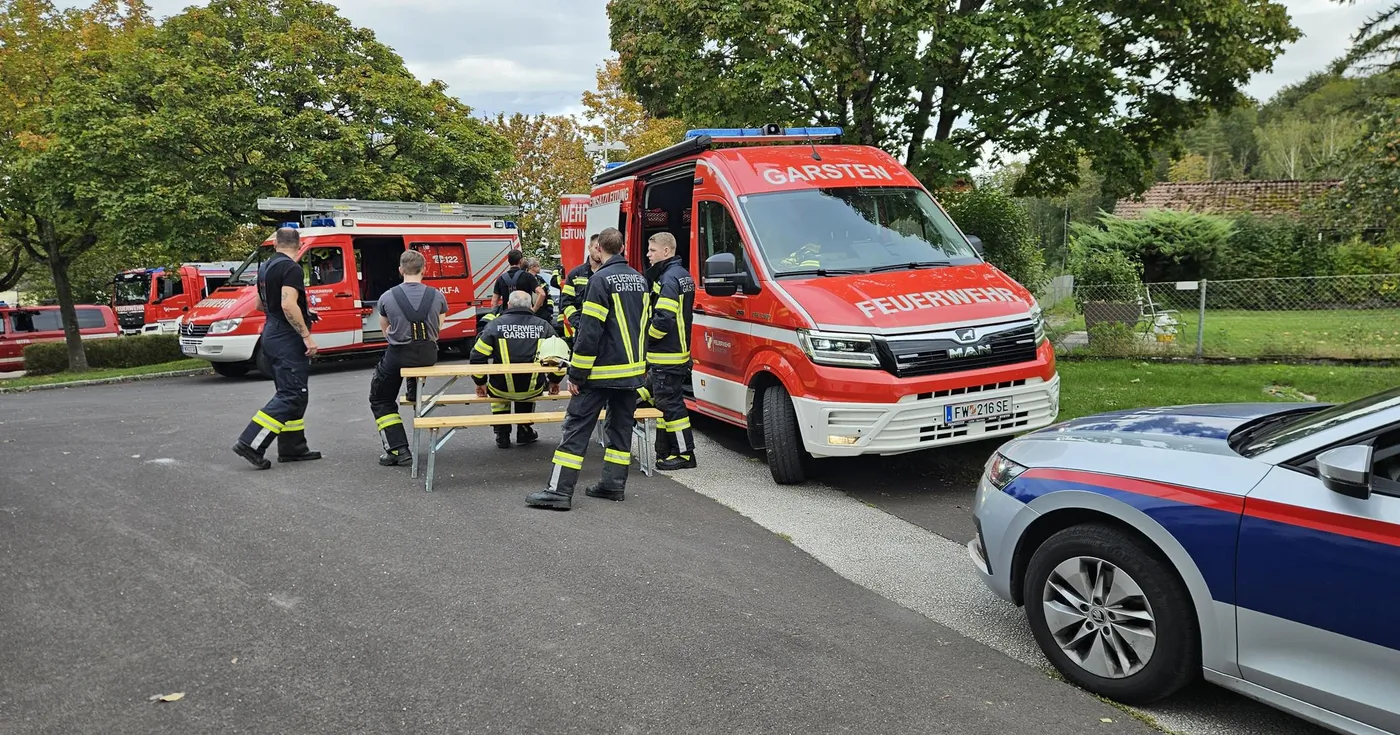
(471, 74)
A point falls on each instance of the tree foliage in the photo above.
(1170, 245)
(1368, 196)
(613, 114)
(549, 162)
(937, 80)
(1004, 229)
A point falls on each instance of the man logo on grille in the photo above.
(965, 335)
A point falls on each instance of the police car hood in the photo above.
(913, 298)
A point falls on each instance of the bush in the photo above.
(1005, 230)
(1172, 246)
(1113, 339)
(1101, 267)
(47, 358)
(1270, 247)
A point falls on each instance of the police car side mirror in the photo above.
(976, 243)
(721, 275)
(1346, 471)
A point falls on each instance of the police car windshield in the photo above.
(246, 274)
(853, 229)
(132, 289)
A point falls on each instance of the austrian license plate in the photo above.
(964, 413)
(190, 349)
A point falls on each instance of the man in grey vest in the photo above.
(411, 315)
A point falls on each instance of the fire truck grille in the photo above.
(131, 320)
(944, 353)
(194, 330)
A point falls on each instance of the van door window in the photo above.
(91, 319)
(443, 259)
(719, 234)
(323, 266)
(48, 320)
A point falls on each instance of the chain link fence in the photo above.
(1320, 317)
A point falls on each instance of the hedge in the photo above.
(47, 358)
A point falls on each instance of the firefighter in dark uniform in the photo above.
(668, 350)
(411, 316)
(286, 340)
(609, 361)
(513, 337)
(575, 283)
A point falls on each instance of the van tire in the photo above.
(231, 369)
(263, 362)
(782, 439)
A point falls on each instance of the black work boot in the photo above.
(291, 447)
(612, 485)
(396, 457)
(526, 435)
(252, 455)
(551, 499)
(601, 490)
(503, 437)
(677, 462)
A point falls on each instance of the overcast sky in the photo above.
(540, 55)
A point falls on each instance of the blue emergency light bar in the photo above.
(770, 132)
(614, 165)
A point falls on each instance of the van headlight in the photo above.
(224, 326)
(1038, 320)
(838, 348)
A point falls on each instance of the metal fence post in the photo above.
(1201, 323)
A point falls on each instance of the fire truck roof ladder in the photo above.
(392, 211)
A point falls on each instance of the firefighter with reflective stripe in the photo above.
(668, 350)
(513, 337)
(608, 365)
(286, 340)
(411, 316)
(575, 283)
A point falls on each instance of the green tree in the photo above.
(611, 113)
(549, 162)
(1005, 231)
(244, 99)
(1376, 44)
(47, 204)
(938, 80)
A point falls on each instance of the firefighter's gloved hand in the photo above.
(312, 317)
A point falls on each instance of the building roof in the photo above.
(1226, 197)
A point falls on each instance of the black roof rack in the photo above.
(687, 147)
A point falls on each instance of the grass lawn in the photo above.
(1364, 334)
(67, 377)
(1089, 387)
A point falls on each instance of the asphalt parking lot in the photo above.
(142, 558)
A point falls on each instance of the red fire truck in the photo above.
(839, 311)
(152, 299)
(350, 257)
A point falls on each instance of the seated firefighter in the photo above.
(513, 338)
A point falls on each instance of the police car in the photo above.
(1256, 544)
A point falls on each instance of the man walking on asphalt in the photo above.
(287, 342)
(514, 337)
(411, 315)
(668, 350)
(609, 360)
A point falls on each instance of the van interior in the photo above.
(666, 207)
(377, 268)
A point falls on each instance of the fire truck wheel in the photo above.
(231, 369)
(782, 439)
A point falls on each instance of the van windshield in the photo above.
(246, 274)
(854, 229)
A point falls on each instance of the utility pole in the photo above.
(603, 148)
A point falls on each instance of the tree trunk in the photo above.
(58, 265)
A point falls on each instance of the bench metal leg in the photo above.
(648, 449)
(417, 414)
(432, 458)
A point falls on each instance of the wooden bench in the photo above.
(472, 399)
(642, 438)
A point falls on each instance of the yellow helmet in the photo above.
(553, 351)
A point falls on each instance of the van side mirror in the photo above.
(976, 243)
(1347, 471)
(722, 276)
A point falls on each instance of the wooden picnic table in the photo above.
(448, 426)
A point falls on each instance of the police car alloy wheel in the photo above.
(1111, 614)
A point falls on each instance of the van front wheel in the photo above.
(782, 439)
(231, 369)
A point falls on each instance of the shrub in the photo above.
(1172, 246)
(1113, 339)
(1270, 247)
(47, 358)
(1005, 230)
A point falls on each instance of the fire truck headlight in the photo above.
(224, 326)
(1038, 319)
(839, 349)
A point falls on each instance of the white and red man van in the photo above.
(350, 257)
(154, 299)
(839, 311)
